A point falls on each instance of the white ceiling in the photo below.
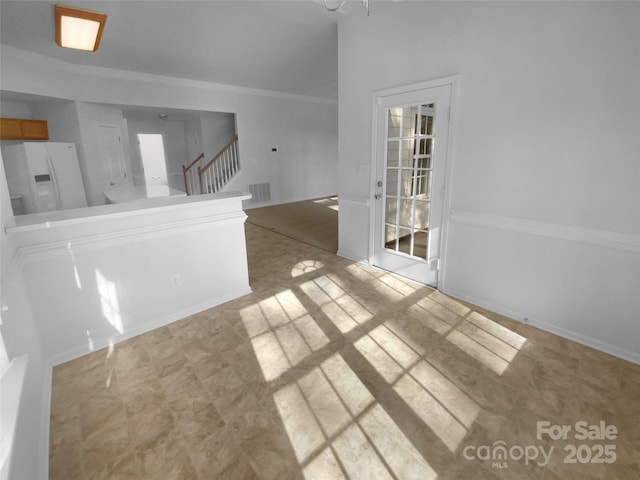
(286, 46)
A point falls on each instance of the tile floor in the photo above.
(333, 370)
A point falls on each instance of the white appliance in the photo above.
(43, 176)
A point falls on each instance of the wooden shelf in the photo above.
(23, 129)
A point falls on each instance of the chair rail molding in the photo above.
(569, 233)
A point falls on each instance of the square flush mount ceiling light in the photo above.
(80, 29)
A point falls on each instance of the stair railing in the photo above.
(190, 175)
(220, 169)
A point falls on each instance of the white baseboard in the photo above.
(100, 343)
(351, 256)
(548, 327)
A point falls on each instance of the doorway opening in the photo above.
(154, 162)
(411, 137)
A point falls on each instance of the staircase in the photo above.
(210, 177)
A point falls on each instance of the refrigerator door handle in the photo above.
(55, 179)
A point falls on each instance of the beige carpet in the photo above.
(314, 222)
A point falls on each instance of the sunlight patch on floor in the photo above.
(443, 407)
(402, 286)
(444, 425)
(446, 392)
(330, 202)
(338, 430)
(478, 351)
(364, 273)
(282, 333)
(306, 266)
(486, 341)
(342, 309)
(503, 333)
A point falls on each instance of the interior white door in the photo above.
(112, 156)
(154, 161)
(412, 130)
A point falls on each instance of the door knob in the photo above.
(379, 184)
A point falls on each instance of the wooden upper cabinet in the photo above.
(35, 129)
(23, 129)
(10, 129)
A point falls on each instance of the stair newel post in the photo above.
(189, 176)
(186, 181)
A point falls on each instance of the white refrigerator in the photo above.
(43, 176)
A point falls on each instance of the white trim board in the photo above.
(599, 238)
(377, 98)
(353, 257)
(104, 342)
(548, 327)
(53, 249)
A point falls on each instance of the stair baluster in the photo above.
(218, 171)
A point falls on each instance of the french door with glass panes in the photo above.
(411, 151)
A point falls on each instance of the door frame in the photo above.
(453, 81)
(124, 162)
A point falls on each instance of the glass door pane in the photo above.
(408, 171)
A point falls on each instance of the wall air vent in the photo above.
(260, 192)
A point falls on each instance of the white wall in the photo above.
(20, 337)
(14, 109)
(217, 129)
(62, 120)
(193, 139)
(545, 192)
(96, 280)
(70, 286)
(94, 171)
(19, 331)
(303, 129)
